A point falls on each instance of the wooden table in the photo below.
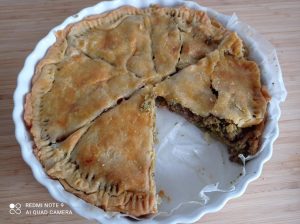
(274, 198)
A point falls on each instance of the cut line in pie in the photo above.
(91, 108)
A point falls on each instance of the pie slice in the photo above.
(110, 162)
(223, 94)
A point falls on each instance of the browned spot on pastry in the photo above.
(88, 161)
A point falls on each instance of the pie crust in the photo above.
(91, 109)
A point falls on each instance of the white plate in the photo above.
(185, 206)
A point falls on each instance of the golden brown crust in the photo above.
(71, 46)
(91, 165)
(226, 86)
(105, 58)
(137, 203)
(124, 172)
(166, 42)
(28, 111)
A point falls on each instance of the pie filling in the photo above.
(243, 141)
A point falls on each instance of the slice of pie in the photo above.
(221, 93)
(110, 161)
(91, 110)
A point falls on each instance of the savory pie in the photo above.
(91, 109)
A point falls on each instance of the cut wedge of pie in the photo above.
(110, 161)
(221, 93)
(91, 108)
